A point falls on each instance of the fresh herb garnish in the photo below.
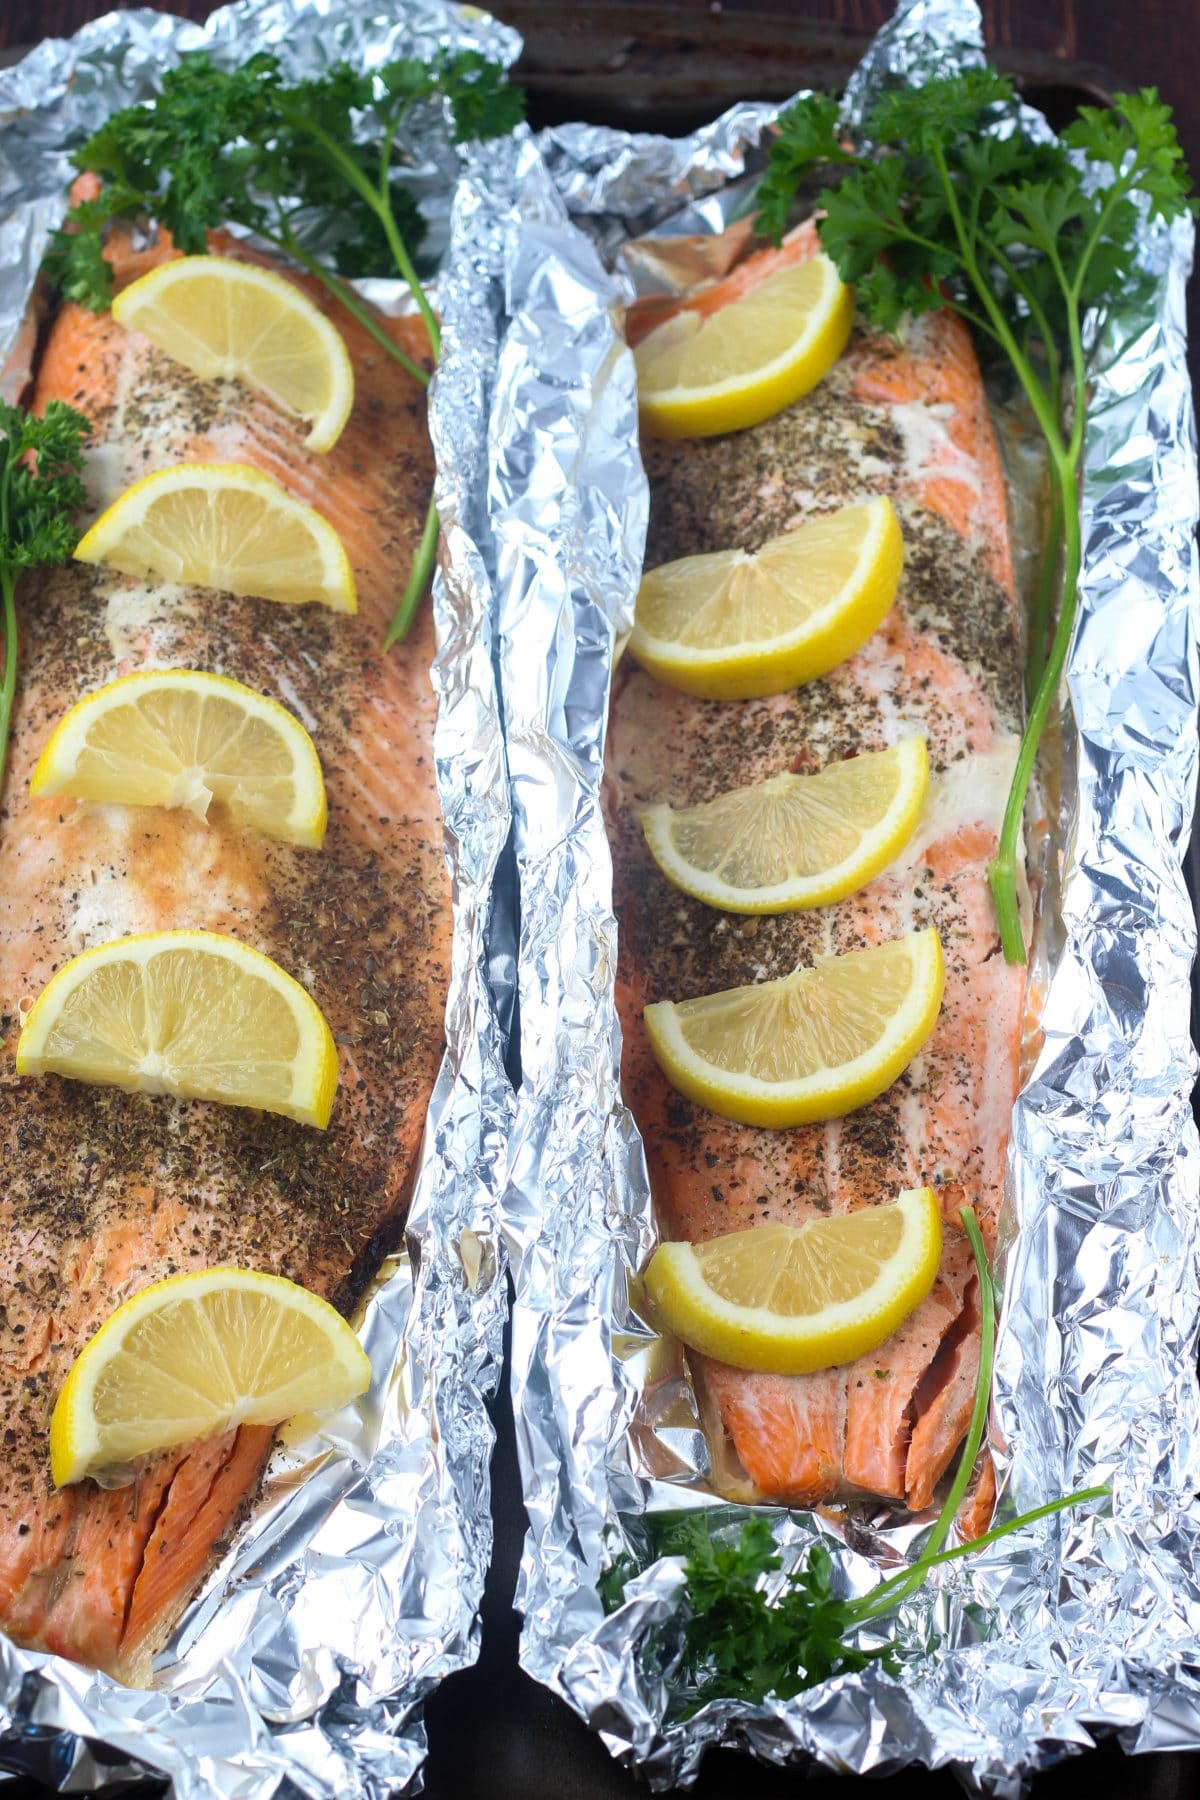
(40, 493)
(738, 1644)
(1007, 232)
(240, 146)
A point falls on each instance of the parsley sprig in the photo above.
(40, 493)
(956, 205)
(242, 146)
(740, 1644)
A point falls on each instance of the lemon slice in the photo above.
(810, 1046)
(196, 1355)
(790, 1299)
(223, 525)
(794, 840)
(189, 1013)
(222, 318)
(702, 374)
(183, 738)
(734, 624)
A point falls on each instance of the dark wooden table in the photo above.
(495, 1734)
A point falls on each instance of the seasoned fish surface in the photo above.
(909, 420)
(104, 1192)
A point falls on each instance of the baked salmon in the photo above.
(105, 1192)
(907, 418)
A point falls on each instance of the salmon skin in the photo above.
(908, 419)
(105, 1192)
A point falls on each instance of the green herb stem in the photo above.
(896, 1588)
(1064, 457)
(1037, 314)
(1048, 584)
(419, 578)
(391, 131)
(405, 266)
(8, 687)
(298, 118)
(1080, 1497)
(983, 1386)
(379, 201)
(1002, 870)
(289, 243)
(380, 205)
(906, 1581)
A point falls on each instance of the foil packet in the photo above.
(1083, 1624)
(354, 1587)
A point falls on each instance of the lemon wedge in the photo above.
(735, 624)
(222, 318)
(702, 374)
(789, 1299)
(227, 526)
(196, 1355)
(184, 738)
(188, 1013)
(794, 840)
(810, 1046)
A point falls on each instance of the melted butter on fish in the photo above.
(133, 609)
(973, 790)
(928, 445)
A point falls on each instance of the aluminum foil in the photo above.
(302, 1666)
(1086, 1623)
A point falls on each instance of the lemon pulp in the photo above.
(792, 1299)
(222, 318)
(227, 526)
(189, 1013)
(809, 1046)
(794, 841)
(184, 738)
(196, 1355)
(703, 374)
(732, 625)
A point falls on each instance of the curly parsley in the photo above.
(40, 493)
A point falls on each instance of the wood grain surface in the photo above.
(1126, 43)
(494, 1733)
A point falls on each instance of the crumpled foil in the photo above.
(1088, 1622)
(302, 1666)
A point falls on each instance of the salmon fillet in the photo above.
(105, 1192)
(908, 419)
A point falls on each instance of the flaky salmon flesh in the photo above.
(907, 418)
(103, 1191)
